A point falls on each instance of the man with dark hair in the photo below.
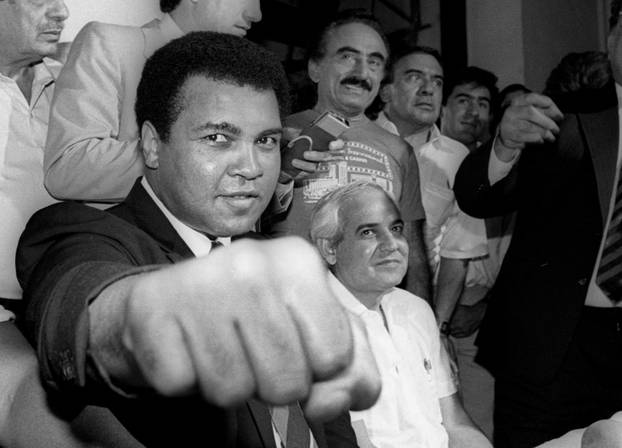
(412, 92)
(190, 354)
(465, 260)
(92, 148)
(551, 335)
(347, 63)
(467, 106)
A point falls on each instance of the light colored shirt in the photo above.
(448, 232)
(415, 140)
(198, 243)
(414, 369)
(23, 126)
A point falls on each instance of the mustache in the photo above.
(353, 80)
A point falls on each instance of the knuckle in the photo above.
(285, 387)
(227, 392)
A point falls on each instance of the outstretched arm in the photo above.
(254, 319)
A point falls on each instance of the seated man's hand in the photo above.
(531, 118)
(256, 319)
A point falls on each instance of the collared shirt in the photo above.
(23, 126)
(415, 140)
(414, 369)
(448, 232)
(196, 241)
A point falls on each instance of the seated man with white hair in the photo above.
(358, 230)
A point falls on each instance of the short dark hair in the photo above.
(471, 75)
(581, 82)
(577, 71)
(401, 50)
(216, 56)
(317, 49)
(168, 5)
(616, 6)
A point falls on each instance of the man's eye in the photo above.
(398, 228)
(367, 232)
(268, 142)
(376, 63)
(438, 83)
(215, 138)
(413, 77)
(348, 57)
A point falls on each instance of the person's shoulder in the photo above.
(408, 302)
(100, 34)
(391, 139)
(450, 146)
(300, 119)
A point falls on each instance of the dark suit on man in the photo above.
(537, 329)
(67, 255)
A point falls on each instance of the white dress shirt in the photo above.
(414, 368)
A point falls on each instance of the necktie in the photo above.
(609, 275)
(291, 426)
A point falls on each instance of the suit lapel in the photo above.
(263, 422)
(151, 220)
(601, 135)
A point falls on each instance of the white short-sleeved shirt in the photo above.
(414, 368)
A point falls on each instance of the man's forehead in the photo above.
(422, 62)
(356, 35)
(472, 90)
(207, 100)
(369, 206)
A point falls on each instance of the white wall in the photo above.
(125, 12)
(495, 38)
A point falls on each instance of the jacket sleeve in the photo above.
(473, 191)
(84, 157)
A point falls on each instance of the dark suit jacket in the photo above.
(562, 192)
(66, 256)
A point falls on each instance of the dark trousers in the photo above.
(587, 388)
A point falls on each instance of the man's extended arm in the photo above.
(531, 119)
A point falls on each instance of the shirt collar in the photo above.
(198, 243)
(347, 299)
(384, 122)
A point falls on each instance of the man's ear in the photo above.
(386, 93)
(313, 68)
(327, 251)
(150, 145)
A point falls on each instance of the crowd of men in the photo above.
(444, 273)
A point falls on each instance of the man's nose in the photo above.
(253, 12)
(58, 10)
(247, 163)
(389, 241)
